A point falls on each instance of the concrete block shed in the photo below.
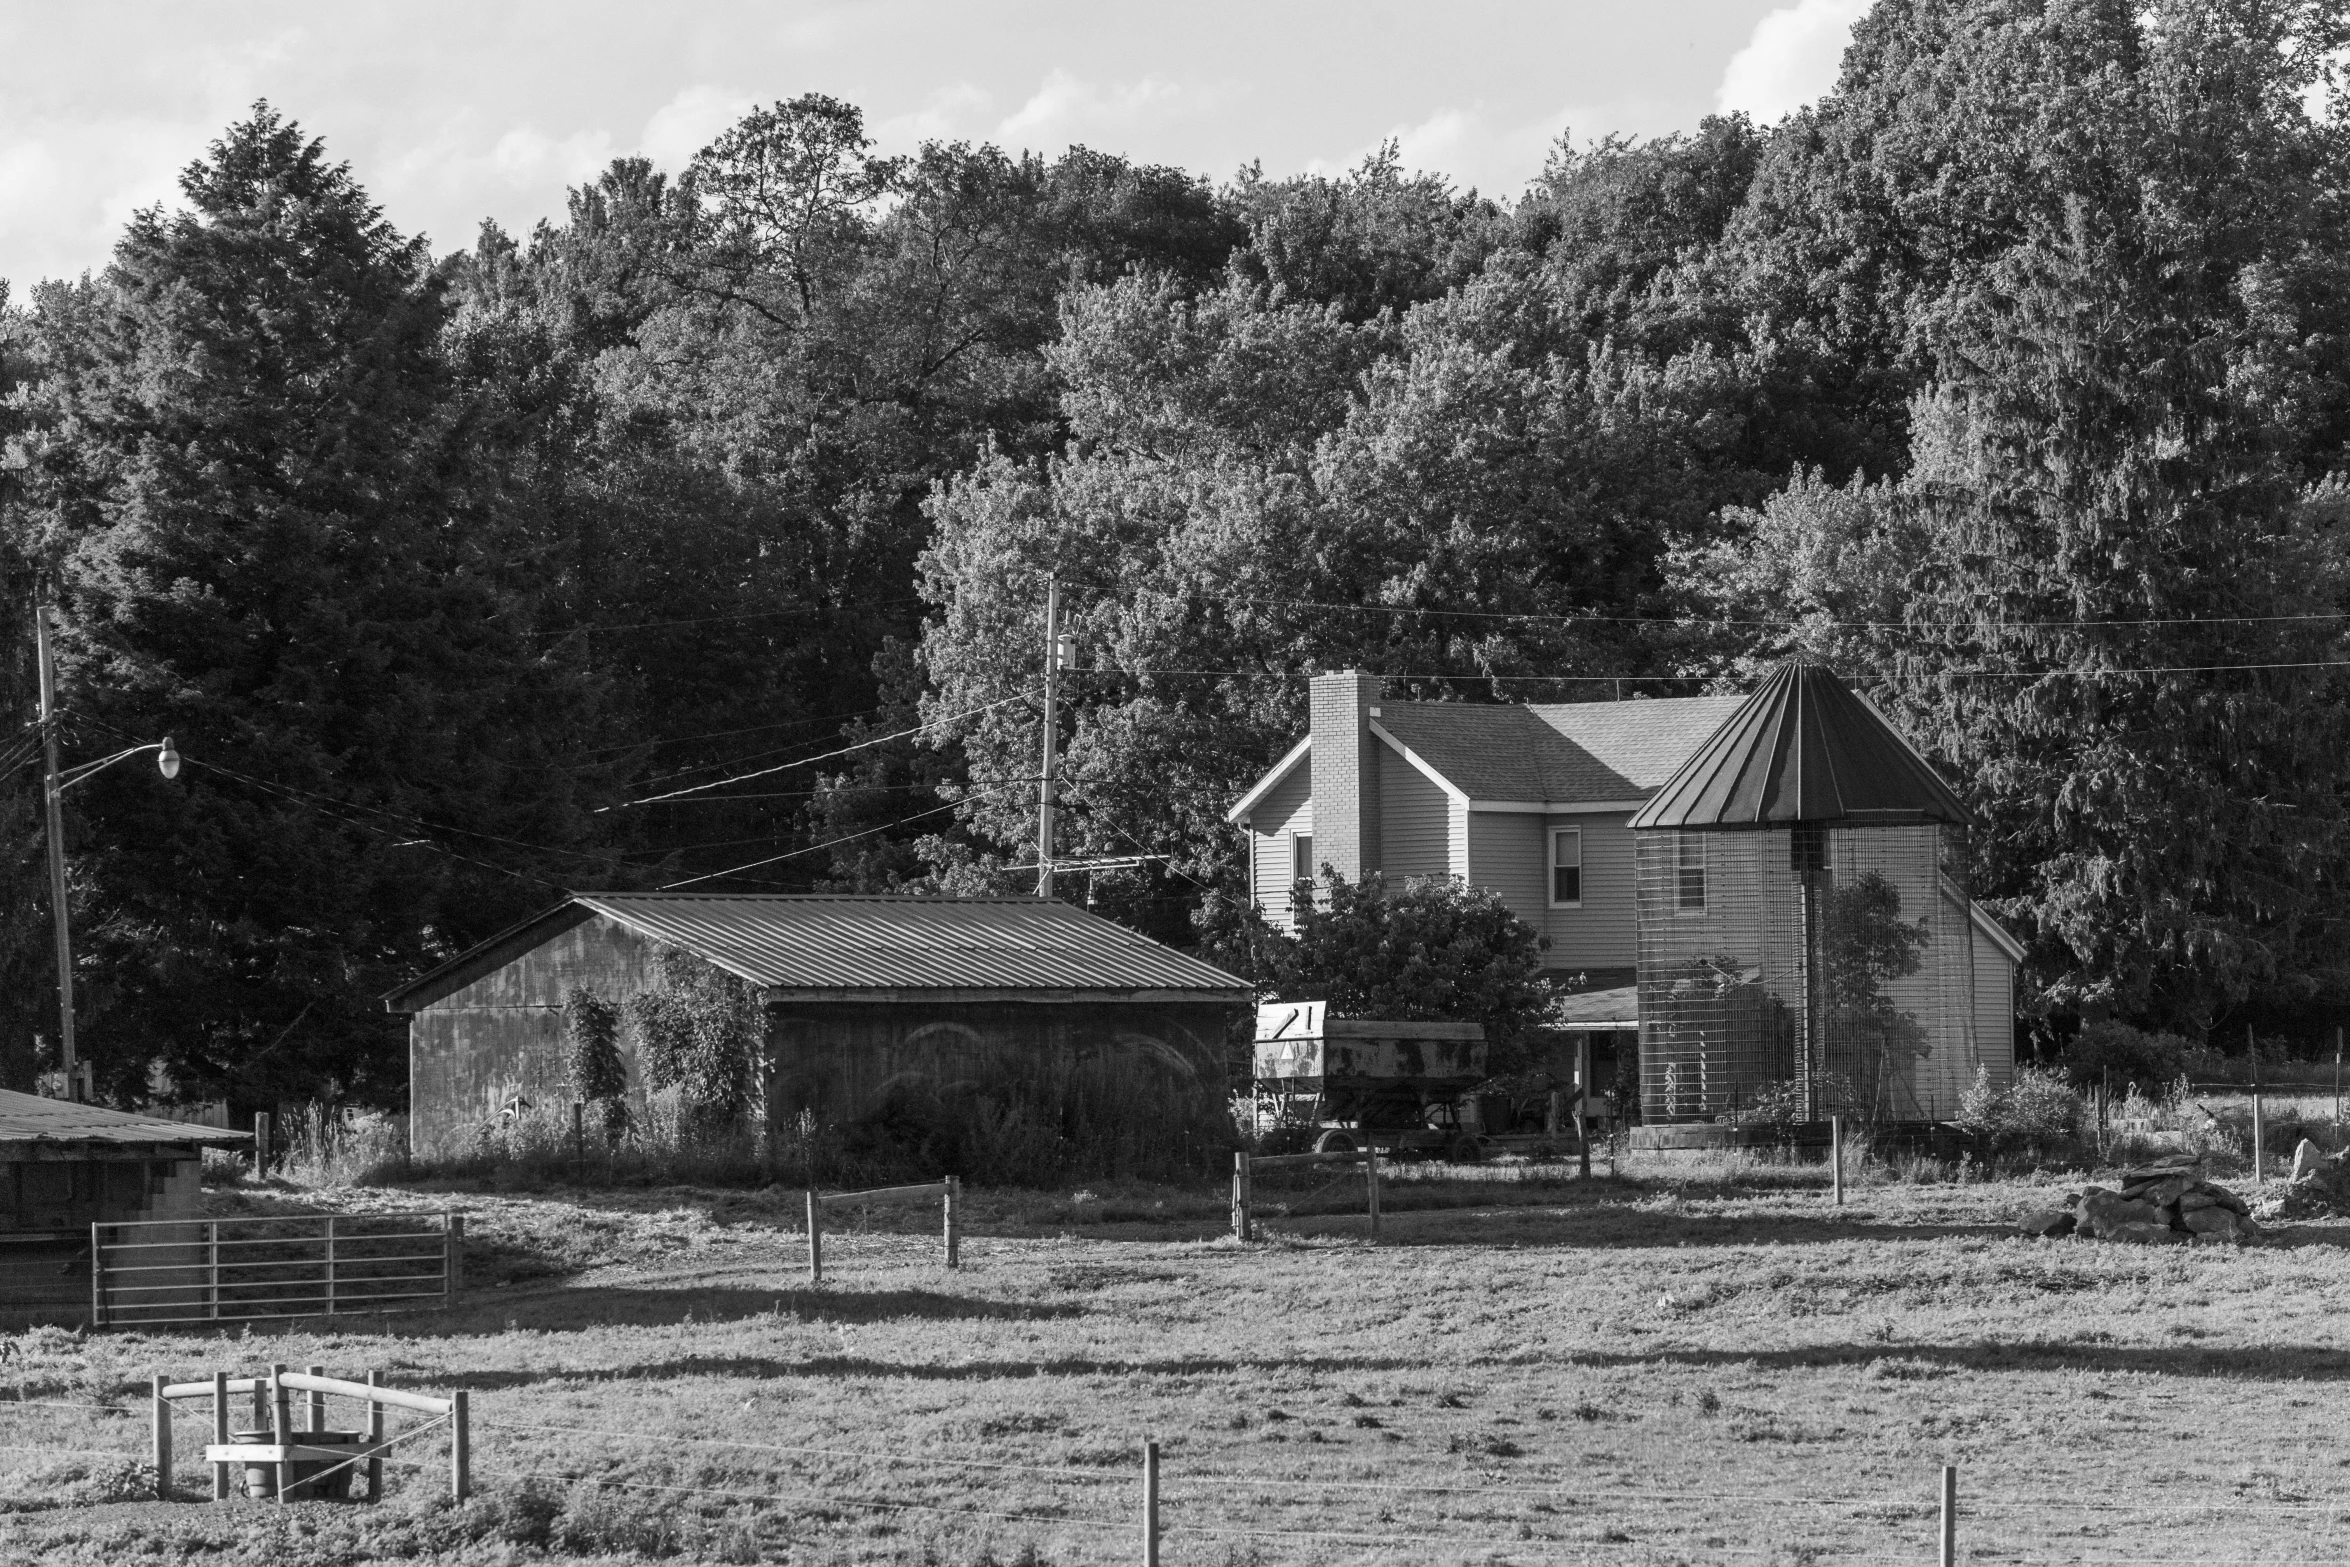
(65, 1166)
(884, 1014)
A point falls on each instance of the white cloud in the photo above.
(1790, 60)
(1475, 150)
(527, 157)
(1066, 110)
(691, 121)
(947, 112)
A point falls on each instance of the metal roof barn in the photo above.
(883, 1013)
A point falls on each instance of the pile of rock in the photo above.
(2166, 1202)
(2318, 1188)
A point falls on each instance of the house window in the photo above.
(1301, 857)
(1566, 867)
(1690, 892)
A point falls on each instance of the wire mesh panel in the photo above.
(1787, 975)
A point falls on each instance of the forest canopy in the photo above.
(701, 535)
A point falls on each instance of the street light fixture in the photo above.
(75, 1077)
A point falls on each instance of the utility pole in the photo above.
(56, 814)
(1044, 797)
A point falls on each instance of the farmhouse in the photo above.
(1538, 802)
(898, 1020)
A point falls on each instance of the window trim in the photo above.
(1296, 838)
(1551, 869)
(1682, 908)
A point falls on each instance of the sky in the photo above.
(452, 111)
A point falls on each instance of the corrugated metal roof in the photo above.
(1599, 1009)
(1565, 753)
(1803, 748)
(849, 941)
(28, 1118)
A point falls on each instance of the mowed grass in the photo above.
(1693, 1363)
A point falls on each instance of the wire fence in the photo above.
(1201, 1504)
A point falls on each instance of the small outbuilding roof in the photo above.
(28, 1120)
(854, 942)
(1803, 748)
(1598, 1010)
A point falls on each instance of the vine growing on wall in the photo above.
(591, 1055)
(701, 1031)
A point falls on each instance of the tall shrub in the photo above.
(591, 1055)
(701, 1031)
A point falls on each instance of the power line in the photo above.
(806, 761)
(1693, 621)
(717, 620)
(1961, 674)
(846, 837)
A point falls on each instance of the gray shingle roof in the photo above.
(856, 942)
(1565, 753)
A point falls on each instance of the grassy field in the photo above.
(1691, 1363)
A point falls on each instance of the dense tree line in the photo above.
(702, 534)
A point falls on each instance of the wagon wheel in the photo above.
(1335, 1141)
(1464, 1148)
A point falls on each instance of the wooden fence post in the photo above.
(375, 1436)
(1242, 1227)
(314, 1415)
(261, 1145)
(1371, 1175)
(162, 1441)
(1150, 1504)
(460, 1447)
(579, 1142)
(2259, 1131)
(1582, 1105)
(815, 1238)
(330, 1278)
(453, 1268)
(220, 1433)
(952, 1206)
(1949, 1515)
(281, 1430)
(1836, 1154)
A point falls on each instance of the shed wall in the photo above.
(501, 1037)
(1007, 1090)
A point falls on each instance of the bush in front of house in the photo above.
(1426, 948)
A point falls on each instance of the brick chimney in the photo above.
(1346, 774)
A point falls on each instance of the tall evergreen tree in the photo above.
(263, 512)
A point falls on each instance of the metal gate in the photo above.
(252, 1269)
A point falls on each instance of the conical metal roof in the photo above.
(1804, 748)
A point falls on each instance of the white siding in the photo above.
(1507, 851)
(1415, 821)
(1456, 827)
(1602, 933)
(1994, 1008)
(1287, 809)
